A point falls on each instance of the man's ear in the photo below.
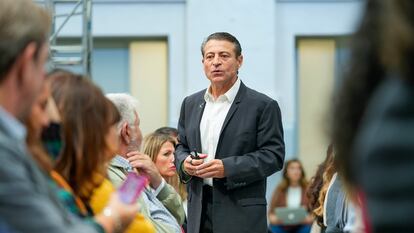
(125, 133)
(25, 62)
(240, 61)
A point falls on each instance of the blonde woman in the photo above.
(160, 148)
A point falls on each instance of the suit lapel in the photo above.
(198, 115)
(232, 111)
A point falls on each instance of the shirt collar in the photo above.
(229, 96)
(122, 162)
(13, 127)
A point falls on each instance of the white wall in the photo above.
(305, 19)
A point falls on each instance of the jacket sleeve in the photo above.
(172, 201)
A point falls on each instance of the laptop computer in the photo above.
(291, 216)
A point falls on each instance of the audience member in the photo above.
(290, 193)
(316, 198)
(83, 160)
(173, 180)
(161, 203)
(172, 132)
(28, 204)
(160, 148)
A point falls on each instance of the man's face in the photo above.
(31, 81)
(220, 62)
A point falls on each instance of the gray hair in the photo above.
(21, 22)
(127, 105)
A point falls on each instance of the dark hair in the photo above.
(87, 116)
(173, 132)
(223, 36)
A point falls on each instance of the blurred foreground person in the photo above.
(28, 204)
(85, 154)
(44, 110)
(374, 116)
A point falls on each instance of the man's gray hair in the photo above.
(127, 106)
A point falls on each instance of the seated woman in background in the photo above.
(43, 110)
(290, 193)
(172, 132)
(89, 122)
(160, 148)
(150, 141)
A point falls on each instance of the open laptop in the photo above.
(291, 216)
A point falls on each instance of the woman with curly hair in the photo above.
(319, 185)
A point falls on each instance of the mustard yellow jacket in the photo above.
(100, 198)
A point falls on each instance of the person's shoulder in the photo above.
(258, 97)
(8, 145)
(196, 96)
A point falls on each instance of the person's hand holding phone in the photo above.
(132, 187)
(117, 215)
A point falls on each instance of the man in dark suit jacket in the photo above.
(238, 133)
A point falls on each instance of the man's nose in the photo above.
(216, 61)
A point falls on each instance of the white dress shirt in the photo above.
(212, 121)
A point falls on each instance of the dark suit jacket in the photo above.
(251, 147)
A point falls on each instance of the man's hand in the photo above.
(212, 169)
(145, 166)
(191, 164)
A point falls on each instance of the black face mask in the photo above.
(52, 140)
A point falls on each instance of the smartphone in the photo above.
(132, 188)
(194, 155)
